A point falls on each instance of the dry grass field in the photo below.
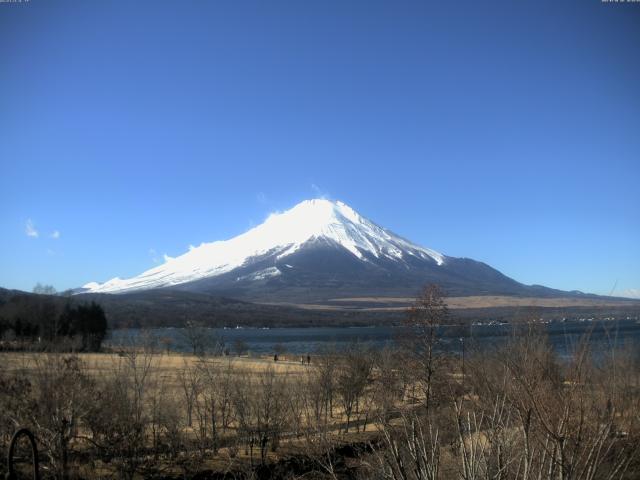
(479, 301)
(221, 409)
(172, 364)
(143, 414)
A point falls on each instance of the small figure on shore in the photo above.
(308, 359)
(275, 357)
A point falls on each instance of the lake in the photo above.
(563, 336)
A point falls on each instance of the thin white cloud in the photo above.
(262, 198)
(154, 255)
(319, 192)
(158, 259)
(30, 229)
(55, 234)
(630, 293)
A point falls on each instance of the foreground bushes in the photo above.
(522, 413)
(517, 412)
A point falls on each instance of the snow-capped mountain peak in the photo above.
(280, 236)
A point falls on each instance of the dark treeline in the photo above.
(39, 321)
(173, 308)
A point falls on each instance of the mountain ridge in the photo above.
(317, 250)
(280, 236)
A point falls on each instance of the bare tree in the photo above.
(260, 409)
(410, 450)
(325, 366)
(214, 400)
(44, 289)
(241, 347)
(190, 384)
(536, 418)
(119, 418)
(424, 317)
(200, 339)
(61, 401)
(353, 377)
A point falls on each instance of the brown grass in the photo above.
(478, 301)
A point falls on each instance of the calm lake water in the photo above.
(563, 336)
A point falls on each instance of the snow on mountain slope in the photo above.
(280, 235)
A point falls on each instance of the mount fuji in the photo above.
(317, 251)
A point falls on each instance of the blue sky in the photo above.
(507, 132)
